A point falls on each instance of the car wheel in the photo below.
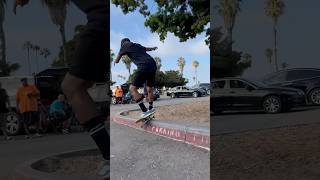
(208, 92)
(314, 96)
(13, 124)
(272, 104)
(172, 95)
(195, 94)
(114, 101)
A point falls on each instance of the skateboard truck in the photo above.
(146, 120)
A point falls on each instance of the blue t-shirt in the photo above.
(57, 106)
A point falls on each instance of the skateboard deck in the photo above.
(146, 120)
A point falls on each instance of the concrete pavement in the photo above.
(140, 155)
(135, 154)
(143, 156)
(236, 121)
(13, 153)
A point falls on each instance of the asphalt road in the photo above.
(232, 122)
(13, 153)
(135, 154)
(140, 155)
(143, 156)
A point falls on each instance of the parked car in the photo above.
(242, 94)
(156, 93)
(183, 91)
(12, 84)
(306, 79)
(204, 86)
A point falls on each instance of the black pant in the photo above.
(30, 118)
(91, 61)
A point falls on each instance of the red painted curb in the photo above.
(176, 132)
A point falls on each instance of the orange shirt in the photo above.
(119, 92)
(26, 103)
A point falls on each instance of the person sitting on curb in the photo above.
(57, 111)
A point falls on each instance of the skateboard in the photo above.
(146, 121)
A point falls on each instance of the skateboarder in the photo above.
(146, 72)
(90, 64)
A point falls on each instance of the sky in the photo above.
(132, 26)
(32, 23)
(298, 35)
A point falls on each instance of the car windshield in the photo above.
(258, 83)
(204, 85)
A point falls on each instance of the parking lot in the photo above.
(237, 121)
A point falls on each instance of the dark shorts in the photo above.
(144, 77)
(91, 60)
(30, 117)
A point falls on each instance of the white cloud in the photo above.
(171, 47)
(115, 40)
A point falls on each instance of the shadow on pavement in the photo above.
(256, 112)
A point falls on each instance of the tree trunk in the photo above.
(29, 61)
(230, 39)
(275, 45)
(63, 36)
(37, 62)
(3, 44)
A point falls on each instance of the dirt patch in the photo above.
(80, 166)
(286, 153)
(196, 112)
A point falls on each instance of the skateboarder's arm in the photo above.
(117, 60)
(151, 48)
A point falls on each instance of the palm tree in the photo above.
(121, 77)
(284, 65)
(36, 49)
(28, 46)
(158, 61)
(45, 52)
(195, 65)
(2, 35)
(229, 9)
(58, 13)
(181, 64)
(7, 68)
(246, 58)
(127, 61)
(274, 9)
(269, 54)
(112, 55)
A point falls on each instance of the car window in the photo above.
(276, 78)
(302, 74)
(237, 84)
(219, 84)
